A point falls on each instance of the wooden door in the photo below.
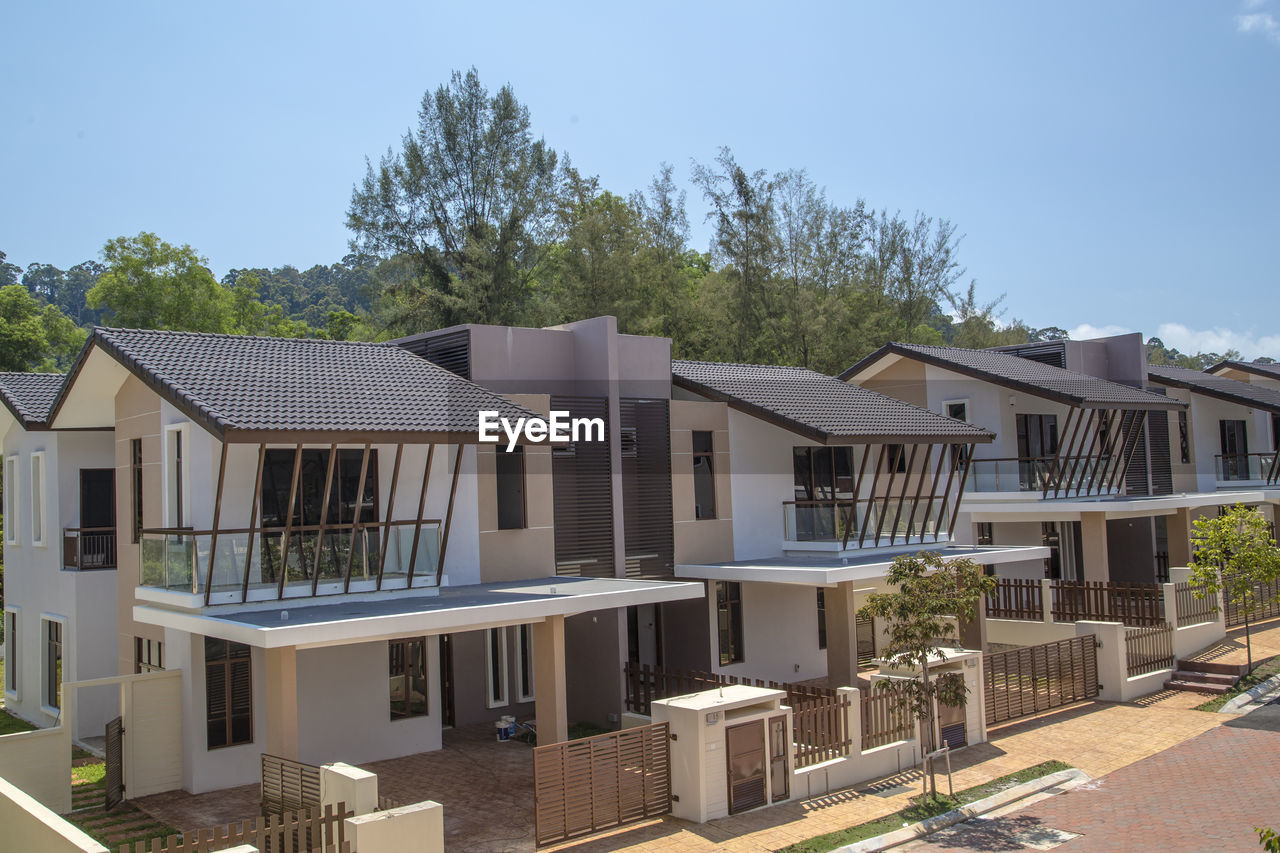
(745, 756)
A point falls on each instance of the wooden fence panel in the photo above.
(596, 783)
(1025, 681)
(288, 785)
(820, 730)
(884, 720)
(1149, 649)
(1265, 606)
(1137, 605)
(1016, 598)
(310, 830)
(646, 683)
(1193, 610)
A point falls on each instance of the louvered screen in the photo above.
(1135, 479)
(1161, 458)
(582, 493)
(1029, 680)
(451, 351)
(646, 488)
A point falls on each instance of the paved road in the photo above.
(1203, 796)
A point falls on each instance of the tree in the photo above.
(1235, 555)
(34, 336)
(929, 592)
(151, 284)
(470, 200)
(9, 273)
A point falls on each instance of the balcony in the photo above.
(273, 563)
(1088, 475)
(88, 548)
(863, 522)
(1247, 467)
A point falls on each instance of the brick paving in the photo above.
(486, 787)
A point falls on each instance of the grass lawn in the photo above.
(921, 809)
(1260, 673)
(9, 724)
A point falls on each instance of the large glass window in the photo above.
(729, 621)
(135, 485)
(1235, 450)
(175, 482)
(228, 682)
(509, 468)
(52, 663)
(11, 651)
(495, 653)
(11, 500)
(704, 481)
(407, 669)
(1037, 444)
(148, 655)
(822, 618)
(37, 498)
(524, 663)
(823, 477)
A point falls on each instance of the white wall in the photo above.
(1206, 436)
(780, 632)
(30, 825)
(344, 706)
(762, 478)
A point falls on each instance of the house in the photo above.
(1081, 462)
(307, 530)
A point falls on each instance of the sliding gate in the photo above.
(602, 782)
(1026, 681)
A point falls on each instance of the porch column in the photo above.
(842, 636)
(972, 633)
(550, 706)
(281, 686)
(1178, 527)
(1093, 546)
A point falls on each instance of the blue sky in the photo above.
(1112, 165)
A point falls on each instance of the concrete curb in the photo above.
(974, 809)
(1237, 704)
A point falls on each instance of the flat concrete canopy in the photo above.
(305, 624)
(989, 508)
(829, 570)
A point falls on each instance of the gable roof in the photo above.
(820, 407)
(1264, 369)
(1023, 374)
(242, 384)
(1230, 390)
(30, 396)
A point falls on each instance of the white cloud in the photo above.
(1218, 340)
(1259, 22)
(1085, 331)
(1254, 4)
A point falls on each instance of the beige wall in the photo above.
(26, 825)
(39, 763)
(153, 733)
(904, 379)
(137, 416)
(702, 540)
(518, 554)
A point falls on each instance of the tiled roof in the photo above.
(1260, 368)
(30, 396)
(1033, 377)
(236, 382)
(819, 406)
(1231, 390)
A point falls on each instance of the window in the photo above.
(1037, 443)
(958, 409)
(495, 657)
(823, 479)
(11, 651)
(1275, 432)
(407, 670)
(37, 499)
(822, 618)
(52, 663)
(11, 500)
(148, 655)
(729, 621)
(896, 458)
(704, 481)
(524, 663)
(1184, 440)
(985, 533)
(509, 468)
(175, 483)
(1235, 450)
(135, 481)
(228, 684)
(344, 502)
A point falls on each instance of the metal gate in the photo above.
(1026, 681)
(288, 786)
(115, 763)
(602, 782)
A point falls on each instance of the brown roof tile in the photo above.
(1231, 390)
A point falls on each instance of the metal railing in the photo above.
(87, 548)
(1149, 650)
(1247, 467)
(291, 562)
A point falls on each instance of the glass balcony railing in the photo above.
(242, 565)
(1086, 475)
(1236, 467)
(865, 523)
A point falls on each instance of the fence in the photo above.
(1194, 610)
(595, 783)
(885, 719)
(646, 683)
(1016, 598)
(1029, 680)
(1265, 605)
(820, 730)
(1135, 604)
(1149, 649)
(310, 830)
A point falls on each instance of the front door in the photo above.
(446, 680)
(644, 634)
(746, 766)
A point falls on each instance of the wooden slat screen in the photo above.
(1149, 650)
(1026, 681)
(646, 488)
(601, 782)
(1265, 605)
(885, 720)
(582, 494)
(1136, 479)
(645, 683)
(310, 830)
(1137, 605)
(288, 785)
(1193, 610)
(1161, 455)
(820, 729)
(1016, 598)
